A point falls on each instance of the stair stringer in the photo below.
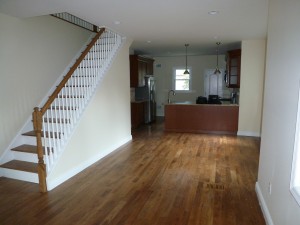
(19, 139)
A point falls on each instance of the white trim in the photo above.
(248, 133)
(20, 175)
(295, 173)
(24, 156)
(296, 193)
(263, 205)
(51, 184)
(174, 79)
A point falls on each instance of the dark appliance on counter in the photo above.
(214, 99)
(201, 100)
(147, 94)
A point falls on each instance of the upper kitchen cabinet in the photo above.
(232, 77)
(139, 67)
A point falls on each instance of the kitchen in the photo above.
(200, 66)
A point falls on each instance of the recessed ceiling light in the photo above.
(213, 12)
(117, 22)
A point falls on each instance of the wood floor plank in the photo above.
(159, 178)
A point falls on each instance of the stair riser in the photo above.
(22, 156)
(20, 175)
(61, 115)
(54, 128)
(66, 102)
(27, 140)
(31, 138)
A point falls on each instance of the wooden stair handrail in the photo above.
(71, 71)
(37, 114)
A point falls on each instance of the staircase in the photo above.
(37, 150)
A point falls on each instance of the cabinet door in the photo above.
(137, 114)
(134, 74)
(139, 67)
(142, 71)
(233, 69)
(150, 67)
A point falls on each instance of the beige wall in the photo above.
(251, 87)
(33, 54)
(280, 113)
(163, 76)
(105, 124)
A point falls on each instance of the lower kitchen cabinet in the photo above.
(137, 114)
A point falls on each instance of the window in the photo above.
(182, 82)
(295, 176)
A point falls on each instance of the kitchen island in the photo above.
(202, 118)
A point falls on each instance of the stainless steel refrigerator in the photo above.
(147, 94)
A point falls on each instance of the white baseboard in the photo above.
(51, 184)
(248, 133)
(263, 205)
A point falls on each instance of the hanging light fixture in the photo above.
(186, 70)
(217, 70)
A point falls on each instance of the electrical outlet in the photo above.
(270, 188)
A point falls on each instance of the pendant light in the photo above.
(217, 70)
(186, 70)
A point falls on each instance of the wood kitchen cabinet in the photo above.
(139, 67)
(233, 70)
(137, 114)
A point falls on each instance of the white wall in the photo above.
(251, 87)
(105, 124)
(33, 54)
(163, 76)
(279, 113)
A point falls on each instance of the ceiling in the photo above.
(162, 27)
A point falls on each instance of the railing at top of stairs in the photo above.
(76, 21)
(54, 122)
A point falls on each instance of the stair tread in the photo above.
(21, 165)
(52, 134)
(26, 148)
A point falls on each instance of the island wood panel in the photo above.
(222, 119)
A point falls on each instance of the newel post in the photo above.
(37, 125)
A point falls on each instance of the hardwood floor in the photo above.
(159, 178)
